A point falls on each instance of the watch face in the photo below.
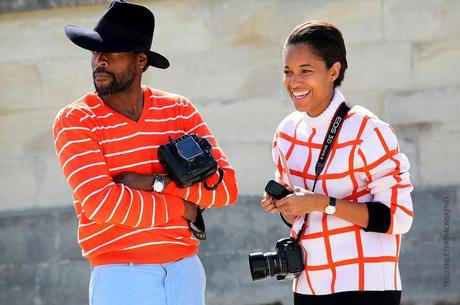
(330, 210)
(158, 185)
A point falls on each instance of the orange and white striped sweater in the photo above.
(118, 224)
(365, 165)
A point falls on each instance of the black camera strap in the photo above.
(197, 227)
(334, 128)
(221, 177)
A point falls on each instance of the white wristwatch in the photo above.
(330, 209)
(158, 183)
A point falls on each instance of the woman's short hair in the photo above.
(326, 42)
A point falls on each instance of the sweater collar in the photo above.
(324, 119)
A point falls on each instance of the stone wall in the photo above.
(226, 57)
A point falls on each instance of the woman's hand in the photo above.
(268, 204)
(299, 205)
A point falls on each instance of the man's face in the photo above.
(114, 72)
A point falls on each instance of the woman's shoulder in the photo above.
(290, 122)
(360, 116)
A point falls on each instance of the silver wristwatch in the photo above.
(330, 209)
(158, 183)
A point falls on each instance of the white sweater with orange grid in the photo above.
(118, 224)
(365, 165)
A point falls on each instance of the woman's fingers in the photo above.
(268, 204)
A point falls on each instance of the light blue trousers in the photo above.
(178, 283)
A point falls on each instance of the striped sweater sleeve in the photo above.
(227, 192)
(102, 200)
(386, 170)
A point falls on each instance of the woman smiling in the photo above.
(353, 210)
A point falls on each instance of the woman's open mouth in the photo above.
(300, 94)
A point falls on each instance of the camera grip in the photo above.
(276, 190)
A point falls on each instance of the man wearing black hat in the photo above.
(133, 224)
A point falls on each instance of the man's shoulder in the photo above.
(82, 107)
(157, 94)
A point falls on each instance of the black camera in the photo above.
(188, 160)
(276, 190)
(287, 261)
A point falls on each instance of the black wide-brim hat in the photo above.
(124, 27)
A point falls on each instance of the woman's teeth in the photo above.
(300, 94)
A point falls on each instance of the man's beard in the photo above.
(119, 82)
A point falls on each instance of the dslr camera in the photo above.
(287, 260)
(188, 160)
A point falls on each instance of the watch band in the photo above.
(330, 209)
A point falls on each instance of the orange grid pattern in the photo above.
(370, 151)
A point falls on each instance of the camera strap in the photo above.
(197, 227)
(221, 177)
(334, 128)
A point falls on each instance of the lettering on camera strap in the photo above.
(334, 129)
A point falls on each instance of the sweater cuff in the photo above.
(379, 217)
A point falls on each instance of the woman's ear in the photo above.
(334, 71)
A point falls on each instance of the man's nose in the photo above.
(100, 60)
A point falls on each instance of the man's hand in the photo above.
(138, 181)
(190, 210)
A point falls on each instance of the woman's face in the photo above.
(308, 81)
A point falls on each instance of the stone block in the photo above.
(64, 283)
(251, 24)
(379, 66)
(419, 107)
(18, 189)
(371, 100)
(408, 140)
(225, 74)
(433, 63)
(20, 87)
(253, 164)
(246, 120)
(58, 283)
(181, 27)
(73, 77)
(52, 187)
(422, 21)
(27, 131)
(38, 35)
(431, 247)
(17, 284)
(259, 231)
(439, 155)
(28, 240)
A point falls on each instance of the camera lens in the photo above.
(263, 265)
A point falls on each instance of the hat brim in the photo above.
(92, 41)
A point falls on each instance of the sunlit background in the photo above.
(404, 65)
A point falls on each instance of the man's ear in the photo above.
(142, 60)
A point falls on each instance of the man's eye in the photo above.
(287, 72)
(306, 71)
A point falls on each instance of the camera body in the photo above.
(287, 260)
(188, 159)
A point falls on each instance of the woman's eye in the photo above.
(306, 71)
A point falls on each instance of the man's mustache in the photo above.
(102, 70)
